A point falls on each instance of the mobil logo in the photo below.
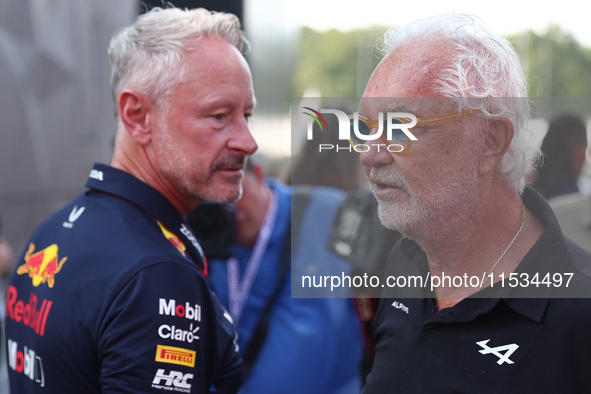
(186, 310)
(26, 362)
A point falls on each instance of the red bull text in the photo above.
(28, 314)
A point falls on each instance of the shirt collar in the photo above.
(121, 184)
(550, 254)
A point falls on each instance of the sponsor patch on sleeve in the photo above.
(175, 355)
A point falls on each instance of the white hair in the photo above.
(147, 56)
(485, 74)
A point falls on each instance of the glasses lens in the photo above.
(363, 130)
(398, 143)
(398, 136)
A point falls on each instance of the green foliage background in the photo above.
(555, 64)
(328, 61)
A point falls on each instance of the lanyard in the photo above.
(239, 290)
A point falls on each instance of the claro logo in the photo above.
(165, 331)
(170, 308)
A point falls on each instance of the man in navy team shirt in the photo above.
(110, 295)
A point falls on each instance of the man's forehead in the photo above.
(217, 74)
(418, 106)
(411, 70)
(214, 52)
(373, 105)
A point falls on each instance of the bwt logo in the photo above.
(357, 129)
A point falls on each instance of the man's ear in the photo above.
(496, 142)
(135, 112)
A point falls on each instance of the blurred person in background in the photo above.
(573, 210)
(288, 345)
(563, 150)
(6, 267)
(330, 168)
(110, 295)
(341, 169)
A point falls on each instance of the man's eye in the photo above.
(219, 116)
(247, 116)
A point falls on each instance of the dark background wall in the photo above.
(232, 6)
(55, 104)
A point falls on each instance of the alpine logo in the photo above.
(27, 362)
(173, 381)
(400, 306)
(74, 215)
(503, 358)
(170, 308)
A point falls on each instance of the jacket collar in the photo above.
(119, 183)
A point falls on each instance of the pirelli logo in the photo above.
(175, 355)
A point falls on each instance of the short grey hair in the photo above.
(485, 74)
(147, 56)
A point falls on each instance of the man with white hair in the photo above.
(110, 295)
(477, 241)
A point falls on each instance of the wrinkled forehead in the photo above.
(421, 107)
(413, 70)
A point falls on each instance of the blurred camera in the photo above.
(358, 236)
(214, 226)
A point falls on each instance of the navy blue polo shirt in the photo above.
(109, 296)
(494, 342)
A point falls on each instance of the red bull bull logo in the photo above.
(43, 265)
(176, 241)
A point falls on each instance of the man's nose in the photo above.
(377, 154)
(242, 140)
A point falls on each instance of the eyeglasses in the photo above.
(401, 142)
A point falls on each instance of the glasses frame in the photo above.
(451, 117)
